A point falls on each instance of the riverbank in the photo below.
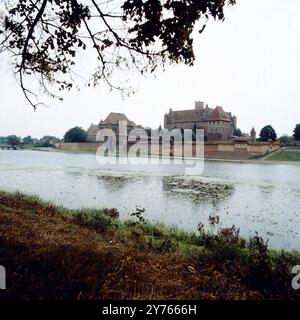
(51, 252)
(289, 154)
(259, 160)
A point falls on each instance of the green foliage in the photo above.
(3, 140)
(153, 33)
(76, 134)
(13, 140)
(99, 218)
(46, 141)
(225, 245)
(288, 154)
(286, 140)
(297, 132)
(138, 213)
(268, 133)
(27, 140)
(148, 131)
(237, 132)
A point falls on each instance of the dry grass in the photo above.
(48, 255)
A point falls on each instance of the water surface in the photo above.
(255, 197)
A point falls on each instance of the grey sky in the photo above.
(250, 65)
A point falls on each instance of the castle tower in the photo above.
(253, 135)
(234, 120)
(199, 105)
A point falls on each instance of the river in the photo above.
(254, 197)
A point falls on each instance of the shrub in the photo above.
(99, 218)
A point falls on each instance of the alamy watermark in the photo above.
(177, 151)
(2, 278)
(296, 279)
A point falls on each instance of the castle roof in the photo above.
(115, 117)
(192, 115)
(219, 115)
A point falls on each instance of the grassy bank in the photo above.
(51, 252)
(286, 154)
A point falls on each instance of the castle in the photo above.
(222, 140)
(218, 125)
(110, 122)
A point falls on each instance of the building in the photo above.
(218, 125)
(110, 122)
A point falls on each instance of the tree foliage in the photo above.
(27, 140)
(237, 132)
(13, 140)
(76, 134)
(46, 141)
(268, 133)
(286, 140)
(45, 37)
(296, 131)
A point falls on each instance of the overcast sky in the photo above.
(249, 65)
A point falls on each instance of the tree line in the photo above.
(14, 141)
(268, 133)
(78, 134)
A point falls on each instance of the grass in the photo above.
(51, 252)
(287, 154)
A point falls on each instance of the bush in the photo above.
(99, 218)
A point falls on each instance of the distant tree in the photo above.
(28, 140)
(284, 139)
(267, 133)
(44, 38)
(237, 132)
(13, 140)
(76, 134)
(297, 132)
(3, 140)
(46, 142)
(159, 128)
(287, 140)
(148, 131)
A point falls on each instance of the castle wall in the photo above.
(212, 150)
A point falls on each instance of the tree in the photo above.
(28, 140)
(3, 140)
(296, 131)
(46, 142)
(148, 131)
(286, 140)
(237, 132)
(44, 37)
(13, 140)
(267, 133)
(76, 134)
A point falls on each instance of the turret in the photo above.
(199, 105)
(234, 120)
(253, 135)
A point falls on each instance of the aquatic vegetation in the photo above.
(196, 189)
